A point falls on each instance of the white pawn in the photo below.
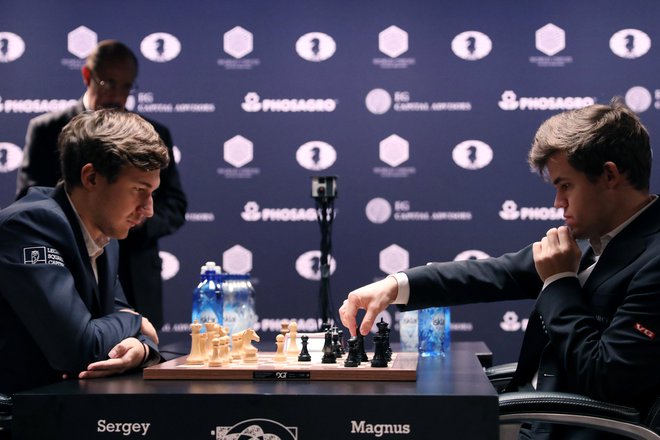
(224, 350)
(280, 356)
(216, 360)
(236, 345)
(292, 348)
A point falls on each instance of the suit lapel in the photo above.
(625, 247)
(91, 287)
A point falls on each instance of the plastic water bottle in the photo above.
(207, 297)
(408, 330)
(239, 306)
(433, 331)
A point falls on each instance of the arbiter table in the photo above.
(451, 398)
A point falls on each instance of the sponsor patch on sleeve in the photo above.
(42, 255)
(643, 330)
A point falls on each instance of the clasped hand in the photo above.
(556, 252)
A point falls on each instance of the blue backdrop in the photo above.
(424, 110)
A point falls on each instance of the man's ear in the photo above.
(612, 174)
(88, 176)
(86, 75)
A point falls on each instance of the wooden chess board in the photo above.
(403, 367)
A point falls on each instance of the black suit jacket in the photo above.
(139, 262)
(602, 340)
(55, 317)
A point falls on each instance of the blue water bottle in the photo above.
(207, 297)
(433, 331)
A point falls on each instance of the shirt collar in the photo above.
(599, 246)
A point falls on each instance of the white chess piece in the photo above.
(215, 360)
(196, 356)
(280, 356)
(292, 348)
(249, 350)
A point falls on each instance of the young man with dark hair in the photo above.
(62, 310)
(593, 327)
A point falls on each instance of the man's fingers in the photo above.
(347, 313)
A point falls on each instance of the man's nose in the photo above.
(147, 208)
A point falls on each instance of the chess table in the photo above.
(451, 398)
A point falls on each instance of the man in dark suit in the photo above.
(109, 75)
(62, 310)
(594, 326)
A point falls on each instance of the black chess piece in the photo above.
(304, 355)
(379, 360)
(352, 360)
(384, 332)
(360, 349)
(341, 341)
(336, 347)
(328, 354)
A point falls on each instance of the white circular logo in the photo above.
(316, 46)
(308, 265)
(378, 210)
(11, 157)
(378, 101)
(472, 154)
(471, 45)
(472, 254)
(638, 99)
(11, 47)
(171, 265)
(160, 47)
(316, 155)
(630, 43)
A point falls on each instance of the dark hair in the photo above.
(593, 135)
(109, 139)
(108, 51)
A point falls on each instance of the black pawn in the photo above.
(336, 347)
(328, 354)
(304, 355)
(362, 355)
(352, 360)
(379, 360)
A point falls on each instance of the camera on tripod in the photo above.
(324, 187)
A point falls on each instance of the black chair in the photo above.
(568, 409)
(6, 405)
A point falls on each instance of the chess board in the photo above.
(403, 367)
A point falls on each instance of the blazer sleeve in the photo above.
(509, 277)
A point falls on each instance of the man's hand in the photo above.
(557, 252)
(374, 298)
(126, 355)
